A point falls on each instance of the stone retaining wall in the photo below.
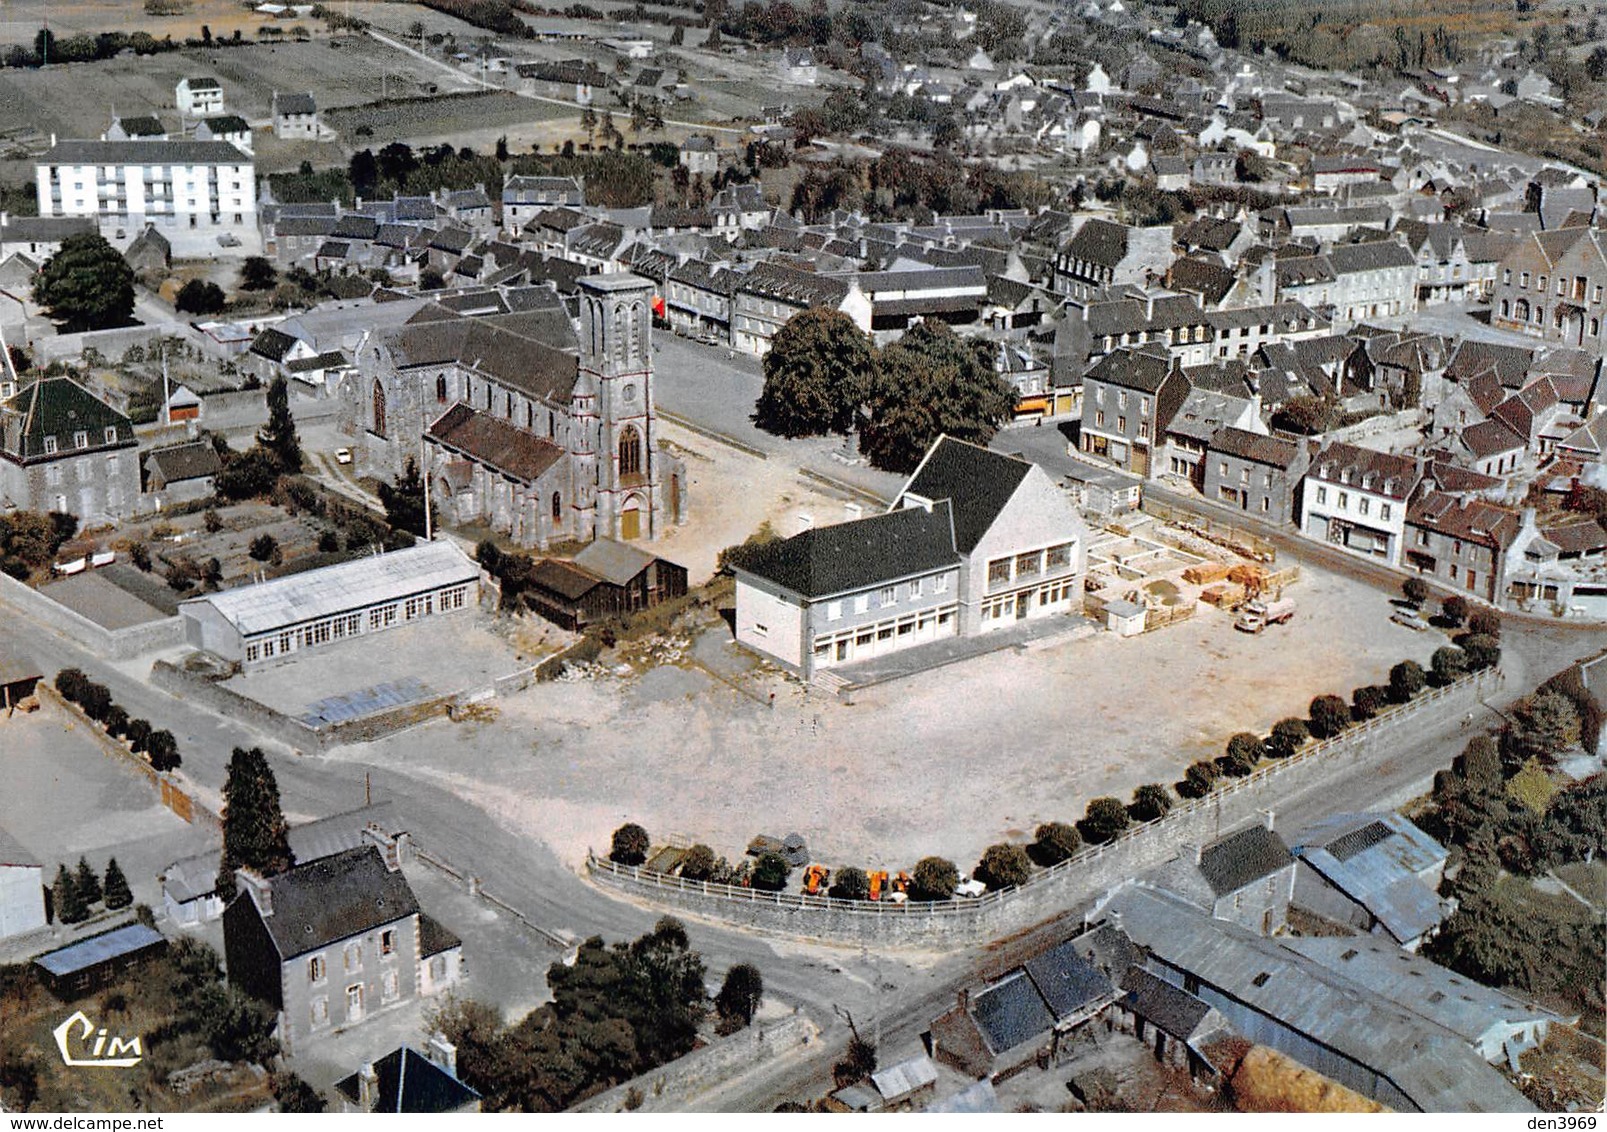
(108, 644)
(670, 1088)
(1097, 868)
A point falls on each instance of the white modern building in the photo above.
(204, 188)
(22, 892)
(198, 97)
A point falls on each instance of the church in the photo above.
(519, 425)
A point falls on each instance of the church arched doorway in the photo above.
(630, 519)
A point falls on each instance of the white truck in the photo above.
(1258, 614)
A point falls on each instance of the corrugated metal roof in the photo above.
(898, 1081)
(1377, 859)
(1464, 1007)
(86, 953)
(340, 588)
(1431, 1066)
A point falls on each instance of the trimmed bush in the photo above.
(1003, 866)
(630, 845)
(1329, 715)
(1244, 751)
(1288, 736)
(771, 872)
(698, 864)
(1367, 701)
(1055, 841)
(850, 883)
(933, 878)
(1151, 802)
(1406, 679)
(1104, 819)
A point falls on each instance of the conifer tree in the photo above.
(254, 829)
(70, 906)
(117, 893)
(88, 883)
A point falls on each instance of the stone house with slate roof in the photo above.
(1551, 285)
(295, 116)
(64, 449)
(1012, 1020)
(976, 541)
(179, 474)
(1356, 498)
(1247, 878)
(332, 942)
(1104, 254)
(1129, 398)
(1255, 473)
(527, 430)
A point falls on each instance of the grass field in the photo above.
(21, 19)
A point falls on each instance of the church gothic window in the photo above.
(619, 334)
(440, 389)
(557, 507)
(379, 409)
(630, 452)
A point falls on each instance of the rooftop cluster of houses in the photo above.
(1197, 951)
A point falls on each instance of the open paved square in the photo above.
(947, 762)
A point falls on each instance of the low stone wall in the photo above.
(287, 729)
(670, 1088)
(1097, 868)
(171, 789)
(225, 701)
(109, 644)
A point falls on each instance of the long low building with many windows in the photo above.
(262, 623)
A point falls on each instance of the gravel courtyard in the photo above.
(946, 762)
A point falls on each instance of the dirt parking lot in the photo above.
(947, 762)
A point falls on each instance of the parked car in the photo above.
(343, 455)
(1410, 618)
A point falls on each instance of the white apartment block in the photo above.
(202, 194)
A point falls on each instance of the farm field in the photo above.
(20, 19)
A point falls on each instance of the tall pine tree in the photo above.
(278, 437)
(118, 894)
(88, 883)
(64, 894)
(255, 835)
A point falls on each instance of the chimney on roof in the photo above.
(258, 887)
(1270, 814)
(443, 1053)
(393, 847)
(367, 1087)
(1190, 851)
(964, 998)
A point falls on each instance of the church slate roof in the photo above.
(503, 349)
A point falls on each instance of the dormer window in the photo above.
(111, 434)
(80, 439)
(50, 445)
(1344, 475)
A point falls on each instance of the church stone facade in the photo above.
(522, 427)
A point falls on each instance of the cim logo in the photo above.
(103, 1053)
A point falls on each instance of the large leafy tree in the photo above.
(86, 285)
(278, 437)
(740, 995)
(255, 834)
(931, 383)
(816, 375)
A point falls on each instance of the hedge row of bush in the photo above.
(159, 747)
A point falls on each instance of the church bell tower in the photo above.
(616, 360)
